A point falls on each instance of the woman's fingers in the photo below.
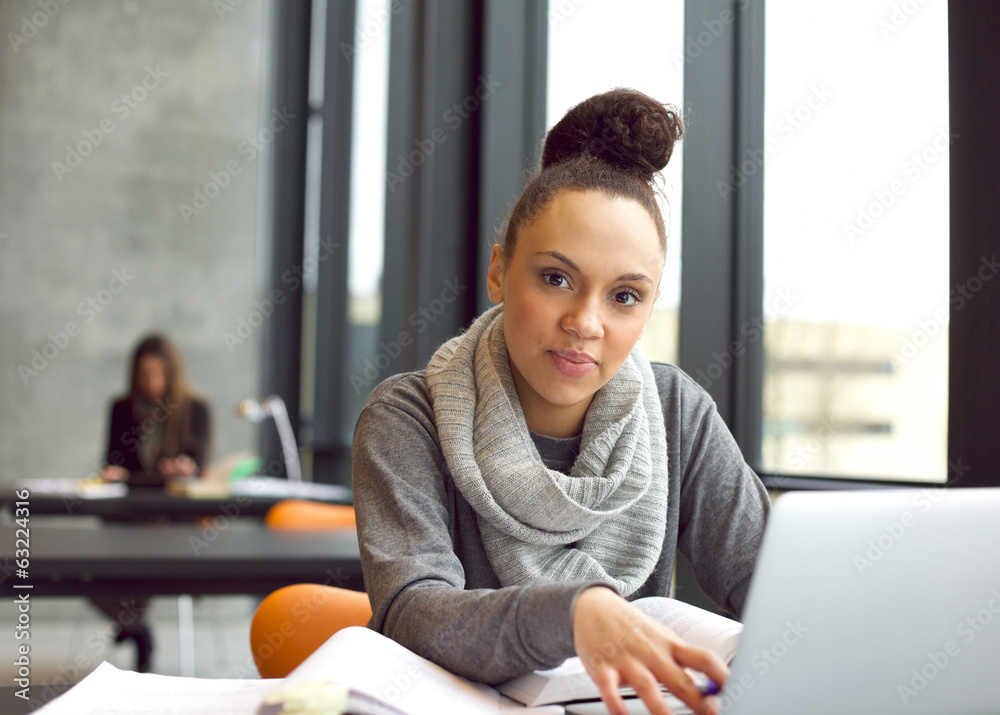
(704, 661)
(608, 683)
(618, 643)
(667, 665)
(647, 687)
(114, 473)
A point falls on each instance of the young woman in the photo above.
(540, 473)
(160, 430)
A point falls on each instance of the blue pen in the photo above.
(709, 687)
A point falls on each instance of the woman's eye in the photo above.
(627, 298)
(554, 279)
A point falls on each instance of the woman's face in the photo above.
(151, 377)
(577, 293)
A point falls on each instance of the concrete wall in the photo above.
(112, 114)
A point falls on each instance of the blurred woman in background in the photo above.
(159, 431)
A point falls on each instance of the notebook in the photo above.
(874, 602)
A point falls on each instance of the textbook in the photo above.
(360, 672)
(570, 681)
(356, 671)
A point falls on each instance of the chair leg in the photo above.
(185, 634)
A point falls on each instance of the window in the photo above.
(856, 239)
(368, 186)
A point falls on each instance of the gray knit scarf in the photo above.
(606, 520)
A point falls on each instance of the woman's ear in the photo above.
(494, 277)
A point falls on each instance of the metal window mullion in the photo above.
(748, 235)
(329, 434)
(281, 364)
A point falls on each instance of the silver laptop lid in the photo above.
(874, 602)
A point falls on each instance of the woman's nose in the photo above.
(583, 319)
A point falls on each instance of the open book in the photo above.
(381, 677)
(360, 672)
(570, 680)
(357, 671)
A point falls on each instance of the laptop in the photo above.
(870, 601)
(874, 602)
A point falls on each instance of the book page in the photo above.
(695, 625)
(377, 667)
(570, 681)
(110, 691)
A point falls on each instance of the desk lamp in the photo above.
(273, 406)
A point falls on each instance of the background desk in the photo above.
(144, 503)
(151, 560)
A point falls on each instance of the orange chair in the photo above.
(301, 515)
(295, 620)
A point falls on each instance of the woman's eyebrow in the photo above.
(559, 257)
(627, 277)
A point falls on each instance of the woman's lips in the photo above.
(572, 363)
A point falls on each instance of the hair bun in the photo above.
(624, 128)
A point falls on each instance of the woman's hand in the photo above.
(114, 473)
(182, 466)
(619, 644)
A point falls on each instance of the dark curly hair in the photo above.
(616, 142)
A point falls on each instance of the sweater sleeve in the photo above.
(122, 440)
(413, 575)
(723, 506)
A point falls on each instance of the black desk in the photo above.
(151, 560)
(144, 503)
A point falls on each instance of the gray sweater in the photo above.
(431, 586)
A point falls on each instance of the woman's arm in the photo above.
(413, 574)
(723, 505)
(200, 433)
(121, 458)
